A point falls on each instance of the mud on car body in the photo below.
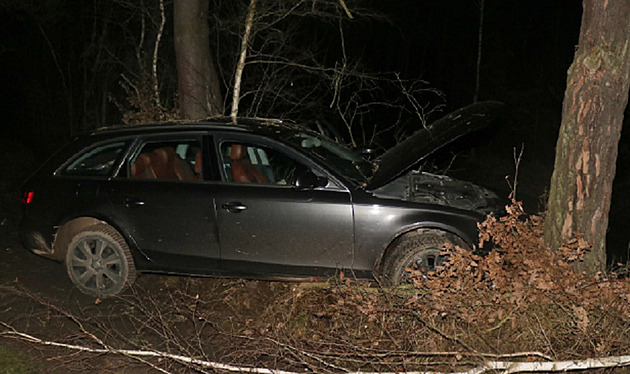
(258, 199)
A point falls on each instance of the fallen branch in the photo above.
(503, 366)
(141, 353)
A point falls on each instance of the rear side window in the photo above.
(167, 159)
(97, 161)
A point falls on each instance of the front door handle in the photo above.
(234, 207)
(130, 203)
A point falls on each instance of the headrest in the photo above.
(164, 155)
(142, 161)
(237, 151)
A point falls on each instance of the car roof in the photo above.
(273, 127)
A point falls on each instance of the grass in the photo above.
(13, 361)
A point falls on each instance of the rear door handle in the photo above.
(234, 207)
(133, 203)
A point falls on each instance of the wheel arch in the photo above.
(73, 226)
(420, 229)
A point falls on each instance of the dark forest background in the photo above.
(72, 66)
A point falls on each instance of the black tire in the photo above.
(420, 250)
(99, 262)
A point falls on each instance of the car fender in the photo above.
(377, 226)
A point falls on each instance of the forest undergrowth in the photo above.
(519, 302)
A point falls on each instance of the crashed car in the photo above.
(261, 198)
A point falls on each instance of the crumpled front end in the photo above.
(430, 188)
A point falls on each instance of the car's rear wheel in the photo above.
(99, 262)
(420, 250)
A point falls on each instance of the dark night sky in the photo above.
(527, 47)
(527, 44)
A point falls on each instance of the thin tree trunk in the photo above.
(238, 74)
(198, 81)
(482, 4)
(154, 61)
(592, 117)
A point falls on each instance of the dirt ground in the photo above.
(31, 288)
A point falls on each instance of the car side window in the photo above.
(174, 160)
(97, 161)
(248, 163)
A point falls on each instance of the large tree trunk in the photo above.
(592, 116)
(199, 88)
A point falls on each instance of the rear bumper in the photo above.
(35, 240)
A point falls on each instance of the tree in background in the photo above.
(299, 66)
(592, 117)
(303, 63)
(238, 74)
(133, 46)
(199, 86)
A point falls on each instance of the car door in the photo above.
(162, 202)
(267, 224)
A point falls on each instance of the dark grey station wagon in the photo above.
(258, 199)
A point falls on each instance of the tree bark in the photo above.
(592, 117)
(198, 82)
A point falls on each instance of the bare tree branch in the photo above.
(345, 8)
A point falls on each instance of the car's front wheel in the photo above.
(99, 262)
(420, 250)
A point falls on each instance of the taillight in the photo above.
(27, 196)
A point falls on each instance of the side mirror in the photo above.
(308, 179)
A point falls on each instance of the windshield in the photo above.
(342, 160)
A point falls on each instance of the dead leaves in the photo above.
(574, 249)
(518, 270)
(581, 316)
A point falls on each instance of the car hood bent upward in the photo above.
(423, 187)
(429, 139)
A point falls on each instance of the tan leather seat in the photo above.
(242, 169)
(140, 168)
(198, 169)
(180, 167)
(162, 163)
